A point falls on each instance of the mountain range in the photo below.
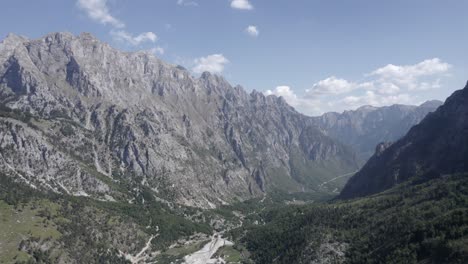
(408, 204)
(118, 157)
(79, 116)
(437, 146)
(367, 126)
(96, 115)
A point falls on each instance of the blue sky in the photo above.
(320, 55)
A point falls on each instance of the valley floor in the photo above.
(418, 222)
(205, 254)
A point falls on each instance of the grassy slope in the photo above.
(22, 222)
(312, 173)
(417, 222)
(47, 227)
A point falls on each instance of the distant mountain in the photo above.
(364, 128)
(82, 118)
(436, 146)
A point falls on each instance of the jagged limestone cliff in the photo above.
(79, 116)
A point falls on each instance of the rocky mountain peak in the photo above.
(432, 104)
(215, 83)
(101, 114)
(131, 117)
(12, 38)
(367, 108)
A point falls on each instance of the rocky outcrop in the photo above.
(381, 147)
(97, 117)
(436, 146)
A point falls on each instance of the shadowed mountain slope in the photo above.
(438, 145)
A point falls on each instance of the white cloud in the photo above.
(410, 76)
(423, 86)
(374, 99)
(241, 4)
(388, 88)
(213, 63)
(305, 105)
(98, 11)
(252, 31)
(424, 68)
(331, 85)
(157, 50)
(391, 84)
(187, 3)
(124, 36)
(286, 92)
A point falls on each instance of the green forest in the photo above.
(49, 227)
(418, 222)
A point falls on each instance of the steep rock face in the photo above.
(117, 116)
(365, 127)
(438, 145)
(28, 154)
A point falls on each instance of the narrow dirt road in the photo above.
(337, 177)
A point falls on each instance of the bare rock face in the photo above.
(80, 117)
(381, 147)
(29, 155)
(436, 146)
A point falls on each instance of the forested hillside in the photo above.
(412, 223)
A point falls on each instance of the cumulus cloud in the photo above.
(331, 85)
(374, 99)
(214, 63)
(424, 68)
(286, 92)
(241, 4)
(157, 50)
(186, 3)
(305, 105)
(252, 31)
(98, 11)
(124, 36)
(410, 76)
(390, 84)
(388, 88)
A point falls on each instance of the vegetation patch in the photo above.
(23, 222)
(416, 222)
